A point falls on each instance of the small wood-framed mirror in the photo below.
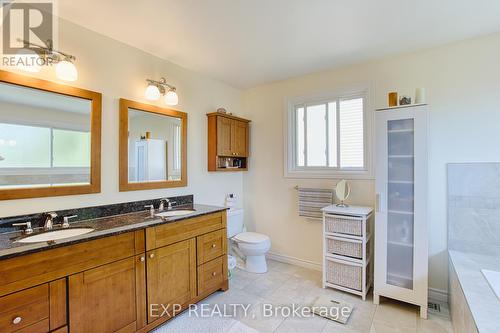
(50, 138)
(153, 147)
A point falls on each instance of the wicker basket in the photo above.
(344, 247)
(344, 225)
(343, 274)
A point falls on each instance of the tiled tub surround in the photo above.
(473, 243)
(105, 220)
(474, 208)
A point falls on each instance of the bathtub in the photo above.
(474, 306)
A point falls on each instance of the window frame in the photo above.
(177, 146)
(292, 170)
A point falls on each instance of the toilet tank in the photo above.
(234, 222)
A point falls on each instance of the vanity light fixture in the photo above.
(66, 70)
(171, 98)
(157, 88)
(47, 55)
(153, 93)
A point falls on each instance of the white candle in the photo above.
(420, 96)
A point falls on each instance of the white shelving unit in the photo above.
(348, 249)
(401, 254)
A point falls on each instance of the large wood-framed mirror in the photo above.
(50, 138)
(153, 147)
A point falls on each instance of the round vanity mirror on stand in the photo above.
(342, 191)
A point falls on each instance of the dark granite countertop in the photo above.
(103, 227)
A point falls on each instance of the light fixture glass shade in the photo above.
(66, 70)
(28, 61)
(152, 93)
(171, 98)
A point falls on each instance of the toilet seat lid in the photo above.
(251, 237)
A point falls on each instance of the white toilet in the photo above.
(252, 245)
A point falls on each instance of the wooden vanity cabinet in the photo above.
(228, 139)
(171, 272)
(175, 254)
(103, 299)
(109, 284)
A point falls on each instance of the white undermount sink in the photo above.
(493, 279)
(55, 235)
(172, 213)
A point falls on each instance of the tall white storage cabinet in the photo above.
(401, 254)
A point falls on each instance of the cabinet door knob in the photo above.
(214, 246)
(214, 273)
(142, 258)
(17, 320)
(152, 255)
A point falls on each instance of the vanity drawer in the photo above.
(211, 275)
(25, 311)
(211, 245)
(173, 232)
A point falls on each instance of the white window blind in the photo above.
(351, 133)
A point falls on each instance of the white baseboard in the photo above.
(434, 294)
(295, 261)
(438, 295)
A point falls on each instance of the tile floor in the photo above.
(288, 284)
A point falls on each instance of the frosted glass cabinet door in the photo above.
(400, 139)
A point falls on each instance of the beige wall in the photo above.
(119, 71)
(463, 88)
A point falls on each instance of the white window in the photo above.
(24, 146)
(327, 137)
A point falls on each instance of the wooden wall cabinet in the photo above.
(228, 141)
(109, 284)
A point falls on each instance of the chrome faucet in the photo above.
(151, 210)
(49, 221)
(28, 230)
(165, 201)
(66, 220)
(162, 204)
(169, 203)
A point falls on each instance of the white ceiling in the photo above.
(250, 42)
